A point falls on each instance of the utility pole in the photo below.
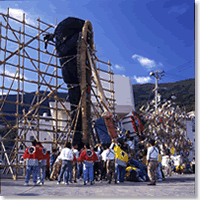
(157, 74)
(185, 122)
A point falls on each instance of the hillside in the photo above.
(27, 99)
(183, 90)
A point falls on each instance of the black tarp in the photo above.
(66, 35)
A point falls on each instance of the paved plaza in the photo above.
(174, 186)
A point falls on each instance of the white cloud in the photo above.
(2, 92)
(141, 79)
(18, 14)
(120, 68)
(146, 62)
(12, 74)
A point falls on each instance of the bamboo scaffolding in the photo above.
(0, 33)
(26, 105)
(17, 107)
(29, 122)
(27, 57)
(38, 84)
(23, 60)
(13, 53)
(51, 26)
(21, 140)
(3, 81)
(56, 101)
(25, 34)
(31, 110)
(31, 70)
(77, 115)
(7, 157)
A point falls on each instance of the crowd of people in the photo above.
(114, 162)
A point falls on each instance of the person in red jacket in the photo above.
(43, 163)
(32, 155)
(88, 157)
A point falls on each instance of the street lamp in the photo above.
(157, 74)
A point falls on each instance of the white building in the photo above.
(46, 133)
(124, 103)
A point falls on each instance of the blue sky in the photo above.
(136, 36)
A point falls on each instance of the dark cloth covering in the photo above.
(66, 36)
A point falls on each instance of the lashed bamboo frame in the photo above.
(32, 115)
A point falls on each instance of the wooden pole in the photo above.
(17, 107)
(5, 46)
(56, 101)
(98, 82)
(7, 157)
(85, 79)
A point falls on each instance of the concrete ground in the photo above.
(174, 186)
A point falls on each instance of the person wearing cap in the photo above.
(152, 162)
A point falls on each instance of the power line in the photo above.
(188, 63)
(186, 68)
(168, 74)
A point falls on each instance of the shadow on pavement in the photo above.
(27, 194)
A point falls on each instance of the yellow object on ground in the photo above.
(129, 168)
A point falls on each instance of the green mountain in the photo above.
(183, 90)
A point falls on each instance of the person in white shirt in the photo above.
(103, 163)
(110, 164)
(131, 145)
(67, 157)
(152, 162)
